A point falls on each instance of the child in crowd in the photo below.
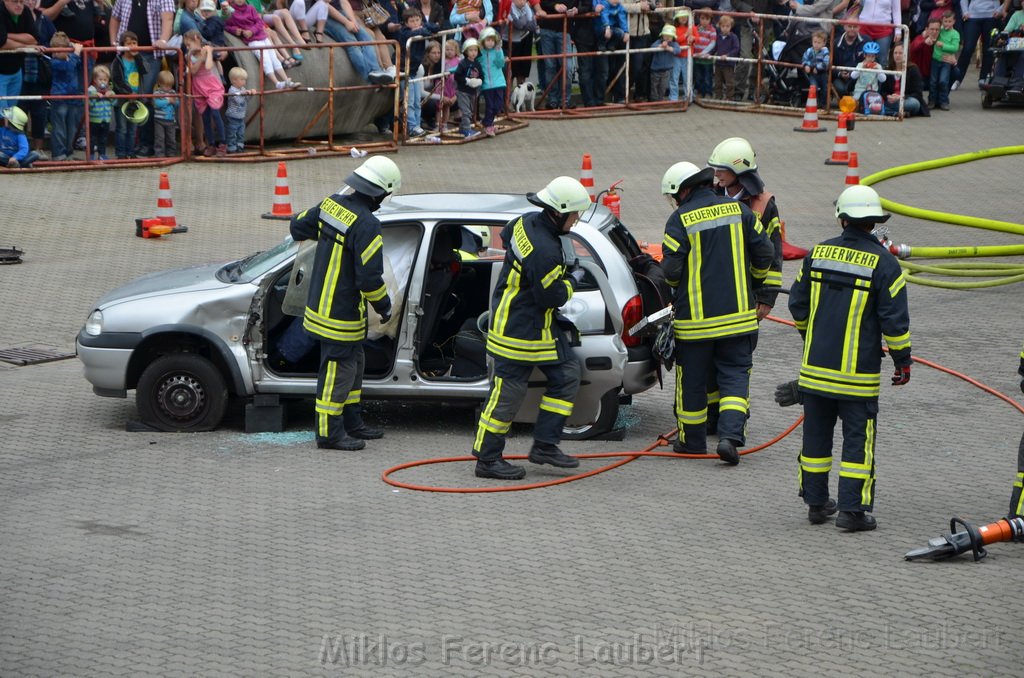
(14, 151)
(704, 46)
(247, 24)
(473, 13)
(686, 35)
(848, 51)
(728, 45)
(413, 26)
(469, 78)
(868, 77)
(446, 88)
(65, 114)
(663, 63)
(207, 92)
(815, 62)
(492, 60)
(101, 111)
(126, 75)
(238, 100)
(612, 25)
(524, 27)
(943, 62)
(165, 116)
(211, 27)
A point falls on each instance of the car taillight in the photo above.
(632, 313)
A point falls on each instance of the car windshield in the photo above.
(255, 265)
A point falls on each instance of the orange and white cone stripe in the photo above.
(852, 174)
(587, 177)
(840, 148)
(810, 123)
(164, 202)
(282, 208)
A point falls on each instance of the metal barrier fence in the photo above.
(303, 145)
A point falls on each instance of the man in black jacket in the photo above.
(551, 42)
(348, 270)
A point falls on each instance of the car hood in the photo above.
(176, 281)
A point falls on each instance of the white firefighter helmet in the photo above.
(860, 203)
(564, 195)
(683, 175)
(377, 177)
(734, 154)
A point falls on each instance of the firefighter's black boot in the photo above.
(347, 444)
(727, 451)
(546, 453)
(499, 470)
(821, 513)
(856, 521)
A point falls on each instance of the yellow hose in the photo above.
(1000, 274)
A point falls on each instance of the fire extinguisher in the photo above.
(611, 199)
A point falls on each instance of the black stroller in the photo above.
(1007, 83)
(784, 85)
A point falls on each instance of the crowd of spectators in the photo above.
(467, 82)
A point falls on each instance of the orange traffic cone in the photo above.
(790, 252)
(852, 176)
(282, 208)
(164, 203)
(840, 149)
(811, 113)
(587, 177)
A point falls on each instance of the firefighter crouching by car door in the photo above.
(736, 177)
(348, 270)
(716, 254)
(524, 332)
(849, 294)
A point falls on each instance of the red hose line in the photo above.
(626, 457)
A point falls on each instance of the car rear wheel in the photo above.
(607, 413)
(181, 392)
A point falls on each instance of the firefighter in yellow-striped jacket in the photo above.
(524, 333)
(849, 295)
(1017, 496)
(348, 269)
(716, 255)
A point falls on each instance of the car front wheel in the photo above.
(181, 392)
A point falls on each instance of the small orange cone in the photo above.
(587, 177)
(852, 175)
(164, 203)
(810, 123)
(840, 149)
(282, 208)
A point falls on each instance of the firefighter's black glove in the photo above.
(901, 376)
(788, 394)
(385, 318)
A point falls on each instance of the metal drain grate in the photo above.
(32, 356)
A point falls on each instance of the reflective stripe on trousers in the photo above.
(508, 388)
(338, 387)
(857, 468)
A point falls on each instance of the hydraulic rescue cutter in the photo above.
(973, 539)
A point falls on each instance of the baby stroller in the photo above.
(1007, 85)
(780, 84)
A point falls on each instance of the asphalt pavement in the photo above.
(231, 554)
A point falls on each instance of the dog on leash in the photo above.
(524, 95)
